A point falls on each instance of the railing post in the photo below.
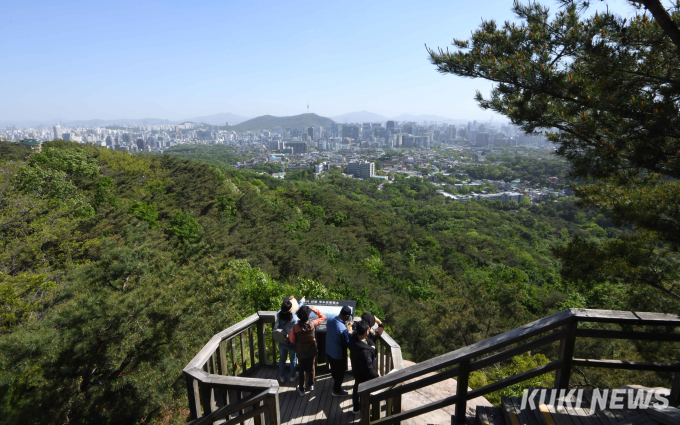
(461, 391)
(261, 343)
(224, 368)
(566, 356)
(383, 369)
(396, 407)
(375, 411)
(274, 411)
(232, 346)
(366, 409)
(208, 400)
(194, 399)
(675, 390)
(252, 346)
(259, 419)
(244, 361)
(275, 351)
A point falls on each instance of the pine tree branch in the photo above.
(663, 18)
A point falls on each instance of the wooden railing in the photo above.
(215, 385)
(562, 327)
(388, 360)
(217, 389)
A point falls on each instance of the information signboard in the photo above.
(329, 308)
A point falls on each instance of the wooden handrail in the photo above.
(625, 317)
(225, 411)
(208, 387)
(208, 349)
(468, 352)
(564, 325)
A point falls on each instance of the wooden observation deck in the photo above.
(232, 380)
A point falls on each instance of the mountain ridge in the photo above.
(268, 122)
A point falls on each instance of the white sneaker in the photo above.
(282, 379)
(292, 378)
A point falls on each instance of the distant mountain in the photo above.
(268, 122)
(360, 116)
(420, 118)
(121, 122)
(220, 119)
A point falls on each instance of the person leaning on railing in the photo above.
(304, 334)
(362, 353)
(284, 321)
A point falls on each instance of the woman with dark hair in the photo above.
(285, 322)
(304, 335)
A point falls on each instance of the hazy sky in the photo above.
(169, 59)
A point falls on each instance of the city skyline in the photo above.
(136, 60)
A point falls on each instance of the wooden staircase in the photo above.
(557, 413)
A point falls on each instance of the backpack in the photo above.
(281, 334)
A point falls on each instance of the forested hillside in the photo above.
(268, 122)
(116, 269)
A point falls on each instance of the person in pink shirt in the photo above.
(304, 335)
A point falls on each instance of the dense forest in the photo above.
(116, 269)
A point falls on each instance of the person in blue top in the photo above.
(285, 320)
(337, 341)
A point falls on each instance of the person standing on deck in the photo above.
(284, 321)
(362, 352)
(337, 341)
(304, 335)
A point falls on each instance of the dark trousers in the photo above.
(337, 372)
(355, 395)
(306, 370)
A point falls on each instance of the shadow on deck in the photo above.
(316, 407)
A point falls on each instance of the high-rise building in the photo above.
(361, 169)
(366, 130)
(451, 132)
(297, 147)
(483, 139)
(390, 126)
(141, 144)
(57, 132)
(351, 131)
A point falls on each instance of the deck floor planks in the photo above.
(604, 417)
(347, 415)
(335, 410)
(325, 404)
(314, 397)
(307, 408)
(314, 408)
(288, 396)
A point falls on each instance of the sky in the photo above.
(74, 60)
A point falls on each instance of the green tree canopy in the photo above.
(606, 90)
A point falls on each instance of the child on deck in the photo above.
(304, 335)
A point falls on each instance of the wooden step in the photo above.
(642, 419)
(559, 413)
(486, 415)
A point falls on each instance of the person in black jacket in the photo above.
(362, 353)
